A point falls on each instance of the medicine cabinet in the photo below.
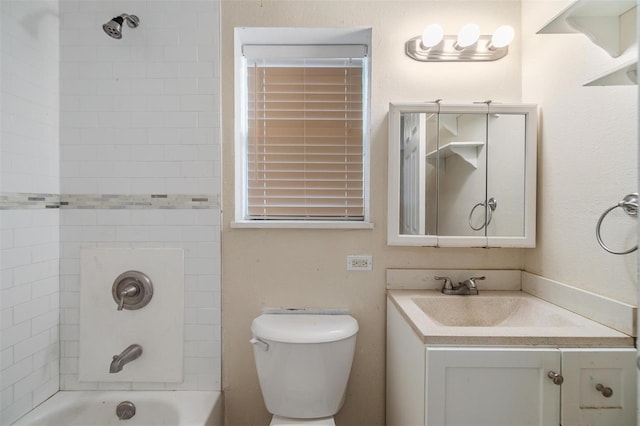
(462, 175)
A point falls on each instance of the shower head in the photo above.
(113, 28)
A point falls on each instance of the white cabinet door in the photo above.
(583, 371)
(405, 371)
(492, 386)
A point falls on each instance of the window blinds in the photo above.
(305, 140)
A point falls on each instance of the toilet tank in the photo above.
(303, 362)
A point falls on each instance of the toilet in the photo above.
(303, 362)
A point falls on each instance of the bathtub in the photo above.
(153, 408)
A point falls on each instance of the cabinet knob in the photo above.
(556, 378)
(606, 391)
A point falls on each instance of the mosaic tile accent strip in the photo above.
(17, 201)
(24, 201)
(138, 201)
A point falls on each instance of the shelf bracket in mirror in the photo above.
(450, 122)
(468, 151)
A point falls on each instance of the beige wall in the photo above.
(587, 158)
(307, 267)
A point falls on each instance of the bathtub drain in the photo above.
(125, 410)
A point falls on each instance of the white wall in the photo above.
(139, 117)
(587, 159)
(29, 349)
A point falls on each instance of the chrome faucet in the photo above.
(467, 287)
(131, 353)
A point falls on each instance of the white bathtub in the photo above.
(153, 408)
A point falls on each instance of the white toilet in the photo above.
(303, 363)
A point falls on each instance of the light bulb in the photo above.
(467, 35)
(432, 35)
(502, 36)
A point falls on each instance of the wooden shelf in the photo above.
(468, 151)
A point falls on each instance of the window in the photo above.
(301, 152)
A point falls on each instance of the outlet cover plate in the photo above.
(361, 262)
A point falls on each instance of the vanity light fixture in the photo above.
(467, 46)
(468, 35)
(432, 36)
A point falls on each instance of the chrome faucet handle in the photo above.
(471, 284)
(472, 280)
(129, 291)
(447, 285)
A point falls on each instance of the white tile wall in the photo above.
(29, 96)
(140, 114)
(29, 244)
(29, 300)
(197, 233)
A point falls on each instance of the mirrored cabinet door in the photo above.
(506, 178)
(462, 175)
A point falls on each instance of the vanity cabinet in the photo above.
(467, 385)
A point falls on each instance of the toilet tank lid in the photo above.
(304, 328)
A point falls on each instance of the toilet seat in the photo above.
(324, 421)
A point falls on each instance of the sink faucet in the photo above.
(467, 287)
(132, 352)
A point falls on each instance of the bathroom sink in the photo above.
(499, 318)
(490, 311)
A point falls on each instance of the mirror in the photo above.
(462, 175)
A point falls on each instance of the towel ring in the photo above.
(493, 203)
(630, 206)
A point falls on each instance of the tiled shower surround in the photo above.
(139, 161)
(132, 160)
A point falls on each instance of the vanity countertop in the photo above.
(501, 318)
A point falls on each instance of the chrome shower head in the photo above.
(113, 28)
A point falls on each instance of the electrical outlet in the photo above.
(362, 262)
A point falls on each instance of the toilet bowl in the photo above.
(303, 363)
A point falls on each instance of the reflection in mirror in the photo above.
(462, 174)
(419, 134)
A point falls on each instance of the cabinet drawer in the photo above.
(599, 386)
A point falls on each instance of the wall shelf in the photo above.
(468, 151)
(600, 20)
(624, 75)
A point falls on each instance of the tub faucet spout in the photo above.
(132, 352)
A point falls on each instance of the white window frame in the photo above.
(302, 37)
